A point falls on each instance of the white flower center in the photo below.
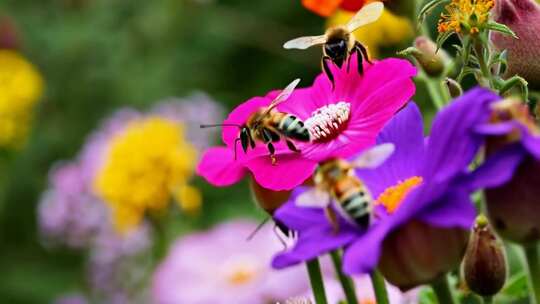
(327, 122)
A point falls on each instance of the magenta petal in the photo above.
(290, 171)
(219, 168)
(383, 72)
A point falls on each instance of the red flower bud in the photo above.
(267, 199)
(418, 253)
(523, 17)
(484, 265)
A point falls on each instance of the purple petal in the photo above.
(531, 143)
(453, 144)
(313, 243)
(299, 218)
(363, 255)
(405, 131)
(496, 170)
(453, 210)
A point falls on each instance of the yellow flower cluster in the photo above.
(393, 196)
(467, 15)
(389, 30)
(21, 87)
(147, 164)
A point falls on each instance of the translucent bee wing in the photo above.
(284, 95)
(314, 198)
(374, 157)
(368, 14)
(303, 43)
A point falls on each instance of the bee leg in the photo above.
(291, 146)
(272, 153)
(326, 69)
(362, 49)
(235, 144)
(278, 232)
(332, 217)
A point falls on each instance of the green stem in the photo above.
(346, 282)
(160, 238)
(443, 291)
(533, 263)
(317, 284)
(488, 300)
(434, 90)
(379, 287)
(486, 73)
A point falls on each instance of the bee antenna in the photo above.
(219, 125)
(261, 224)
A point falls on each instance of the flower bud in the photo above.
(418, 253)
(484, 264)
(453, 87)
(514, 208)
(433, 61)
(8, 34)
(523, 17)
(268, 200)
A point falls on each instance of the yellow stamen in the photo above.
(393, 196)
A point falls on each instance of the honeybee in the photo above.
(336, 181)
(269, 126)
(338, 42)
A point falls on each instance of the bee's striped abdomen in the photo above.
(294, 128)
(354, 200)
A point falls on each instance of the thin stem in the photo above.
(434, 90)
(488, 300)
(443, 291)
(533, 264)
(379, 287)
(486, 72)
(346, 282)
(317, 284)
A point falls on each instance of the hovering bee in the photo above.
(269, 126)
(338, 42)
(335, 180)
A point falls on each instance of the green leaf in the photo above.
(428, 7)
(501, 28)
(516, 286)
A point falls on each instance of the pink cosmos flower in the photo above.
(341, 122)
(221, 267)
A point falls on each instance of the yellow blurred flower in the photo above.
(21, 87)
(389, 30)
(471, 14)
(147, 164)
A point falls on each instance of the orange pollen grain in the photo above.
(241, 277)
(393, 196)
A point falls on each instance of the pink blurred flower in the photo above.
(221, 267)
(341, 122)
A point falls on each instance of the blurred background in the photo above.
(96, 56)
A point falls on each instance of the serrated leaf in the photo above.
(428, 7)
(501, 28)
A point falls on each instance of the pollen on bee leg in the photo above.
(328, 121)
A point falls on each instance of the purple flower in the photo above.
(514, 207)
(425, 180)
(221, 266)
